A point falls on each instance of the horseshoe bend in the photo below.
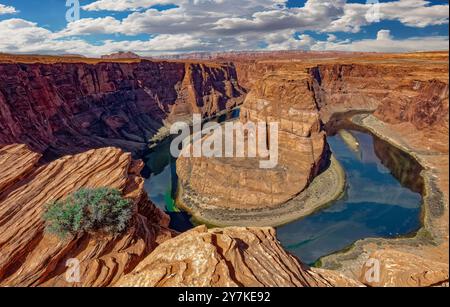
(361, 174)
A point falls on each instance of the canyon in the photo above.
(284, 99)
(59, 120)
(61, 108)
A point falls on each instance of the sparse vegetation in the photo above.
(89, 210)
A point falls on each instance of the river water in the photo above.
(382, 197)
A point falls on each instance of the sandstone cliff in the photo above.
(398, 93)
(65, 108)
(31, 257)
(229, 257)
(424, 105)
(240, 183)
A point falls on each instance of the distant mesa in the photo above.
(71, 55)
(121, 55)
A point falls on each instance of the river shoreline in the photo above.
(164, 131)
(323, 190)
(434, 232)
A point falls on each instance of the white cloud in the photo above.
(331, 38)
(288, 41)
(123, 5)
(413, 13)
(384, 35)
(4, 9)
(22, 36)
(386, 43)
(87, 26)
(214, 25)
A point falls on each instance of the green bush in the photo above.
(89, 210)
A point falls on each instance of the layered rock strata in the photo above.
(240, 183)
(425, 257)
(63, 108)
(31, 257)
(229, 257)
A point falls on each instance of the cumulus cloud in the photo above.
(413, 13)
(22, 36)
(384, 35)
(87, 26)
(288, 41)
(215, 25)
(123, 5)
(4, 9)
(384, 42)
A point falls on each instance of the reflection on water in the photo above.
(377, 203)
(374, 205)
(161, 178)
(402, 166)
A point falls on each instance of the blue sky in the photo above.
(154, 27)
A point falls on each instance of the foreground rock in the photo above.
(16, 162)
(31, 257)
(406, 269)
(229, 257)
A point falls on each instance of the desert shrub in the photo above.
(89, 210)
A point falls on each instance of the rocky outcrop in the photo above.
(424, 105)
(338, 87)
(16, 162)
(120, 55)
(398, 268)
(240, 183)
(31, 257)
(65, 108)
(230, 257)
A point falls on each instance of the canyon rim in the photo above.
(150, 151)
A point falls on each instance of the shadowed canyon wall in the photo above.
(68, 107)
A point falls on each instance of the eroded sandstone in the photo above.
(31, 257)
(230, 257)
(78, 106)
(240, 183)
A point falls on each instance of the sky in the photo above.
(155, 27)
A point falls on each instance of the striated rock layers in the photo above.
(229, 257)
(398, 93)
(240, 183)
(409, 88)
(31, 257)
(62, 108)
(425, 106)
